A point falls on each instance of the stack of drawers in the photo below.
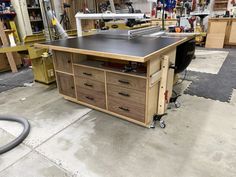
(126, 95)
(90, 86)
(115, 92)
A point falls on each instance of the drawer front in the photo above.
(63, 61)
(91, 97)
(89, 73)
(129, 109)
(126, 81)
(126, 94)
(90, 84)
(66, 84)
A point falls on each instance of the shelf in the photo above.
(112, 67)
(7, 15)
(9, 31)
(33, 8)
(220, 9)
(37, 32)
(36, 20)
(5, 1)
(221, 2)
(11, 13)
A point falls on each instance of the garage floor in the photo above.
(67, 139)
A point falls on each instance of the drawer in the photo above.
(65, 84)
(126, 81)
(126, 94)
(91, 97)
(90, 84)
(89, 73)
(128, 109)
(63, 61)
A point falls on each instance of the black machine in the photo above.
(184, 55)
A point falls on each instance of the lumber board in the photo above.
(216, 34)
(5, 42)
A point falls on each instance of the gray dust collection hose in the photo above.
(20, 138)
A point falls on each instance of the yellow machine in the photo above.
(43, 68)
(42, 63)
(121, 25)
(200, 38)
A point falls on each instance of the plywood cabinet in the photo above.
(221, 31)
(232, 36)
(101, 84)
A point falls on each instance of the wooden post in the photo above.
(162, 102)
(5, 42)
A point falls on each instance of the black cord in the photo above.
(183, 79)
(175, 92)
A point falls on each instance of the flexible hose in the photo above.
(20, 138)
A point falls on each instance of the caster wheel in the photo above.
(162, 124)
(153, 125)
(177, 105)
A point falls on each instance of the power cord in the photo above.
(183, 79)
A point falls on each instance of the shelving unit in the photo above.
(7, 27)
(35, 16)
(220, 5)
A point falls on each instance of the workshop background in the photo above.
(117, 88)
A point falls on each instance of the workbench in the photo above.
(90, 71)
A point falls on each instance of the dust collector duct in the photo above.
(20, 138)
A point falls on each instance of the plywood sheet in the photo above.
(217, 27)
(111, 44)
(215, 41)
(232, 37)
(216, 35)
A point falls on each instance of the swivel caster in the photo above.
(177, 104)
(175, 101)
(158, 118)
(162, 124)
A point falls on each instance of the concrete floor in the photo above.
(71, 140)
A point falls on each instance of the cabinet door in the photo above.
(63, 61)
(66, 84)
(232, 37)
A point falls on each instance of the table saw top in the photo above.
(139, 49)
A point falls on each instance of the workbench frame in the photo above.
(159, 76)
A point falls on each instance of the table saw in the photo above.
(128, 77)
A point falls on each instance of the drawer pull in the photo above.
(124, 94)
(88, 85)
(123, 82)
(87, 74)
(89, 98)
(72, 87)
(69, 61)
(124, 109)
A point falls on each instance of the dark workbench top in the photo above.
(115, 46)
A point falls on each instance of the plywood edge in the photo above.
(93, 53)
(168, 48)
